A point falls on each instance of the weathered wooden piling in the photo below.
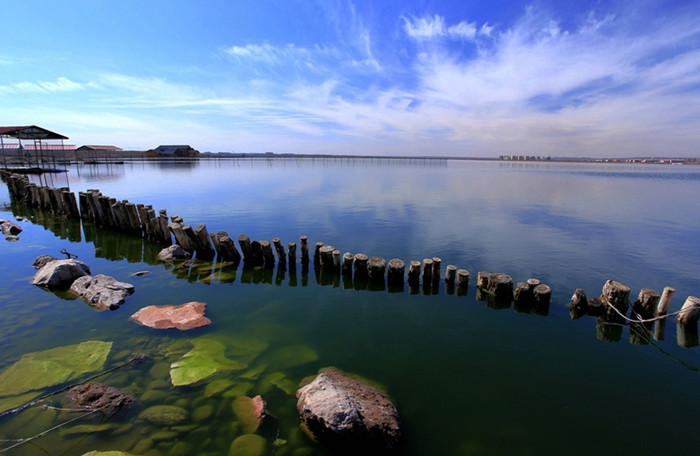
(202, 244)
(376, 268)
(181, 239)
(450, 274)
(690, 312)
(462, 281)
(281, 255)
(292, 248)
(360, 266)
(304, 250)
(616, 297)
(578, 305)
(317, 254)
(268, 256)
(396, 272)
(244, 243)
(665, 301)
(497, 284)
(325, 256)
(427, 273)
(646, 303)
(336, 260)
(414, 273)
(347, 263)
(437, 264)
(226, 250)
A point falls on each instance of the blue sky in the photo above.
(467, 78)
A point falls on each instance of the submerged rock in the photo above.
(185, 316)
(251, 412)
(164, 415)
(345, 413)
(101, 291)
(60, 273)
(248, 445)
(95, 395)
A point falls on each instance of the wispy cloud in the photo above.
(61, 84)
(430, 27)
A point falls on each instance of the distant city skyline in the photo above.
(410, 78)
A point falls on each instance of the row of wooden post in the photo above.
(142, 220)
(58, 201)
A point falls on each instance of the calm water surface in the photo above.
(468, 378)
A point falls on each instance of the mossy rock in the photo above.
(248, 445)
(164, 415)
(203, 412)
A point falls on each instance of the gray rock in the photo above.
(60, 273)
(41, 261)
(174, 252)
(10, 228)
(102, 291)
(345, 413)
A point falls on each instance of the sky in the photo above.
(468, 78)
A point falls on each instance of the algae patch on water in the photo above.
(205, 359)
(46, 368)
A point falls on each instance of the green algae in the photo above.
(204, 360)
(38, 370)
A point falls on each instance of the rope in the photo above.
(648, 320)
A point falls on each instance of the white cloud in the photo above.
(61, 84)
(425, 28)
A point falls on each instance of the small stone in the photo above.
(174, 252)
(164, 415)
(248, 445)
(42, 260)
(95, 395)
(101, 291)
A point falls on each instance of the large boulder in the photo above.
(174, 252)
(101, 291)
(347, 414)
(60, 273)
(185, 316)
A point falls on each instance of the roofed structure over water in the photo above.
(29, 144)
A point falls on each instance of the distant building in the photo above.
(88, 148)
(173, 151)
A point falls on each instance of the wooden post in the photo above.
(292, 248)
(268, 256)
(450, 274)
(645, 305)
(690, 312)
(615, 295)
(203, 243)
(665, 301)
(376, 268)
(244, 242)
(347, 263)
(164, 236)
(427, 273)
(317, 254)
(304, 250)
(228, 248)
(578, 305)
(397, 269)
(360, 265)
(437, 262)
(336, 260)
(542, 294)
(414, 273)
(281, 256)
(324, 256)
(462, 281)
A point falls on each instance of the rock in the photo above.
(174, 252)
(60, 273)
(164, 415)
(42, 260)
(101, 291)
(96, 395)
(185, 316)
(251, 412)
(248, 445)
(10, 228)
(343, 413)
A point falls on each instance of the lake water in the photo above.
(468, 377)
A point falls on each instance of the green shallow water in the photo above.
(468, 377)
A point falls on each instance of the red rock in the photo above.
(185, 316)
